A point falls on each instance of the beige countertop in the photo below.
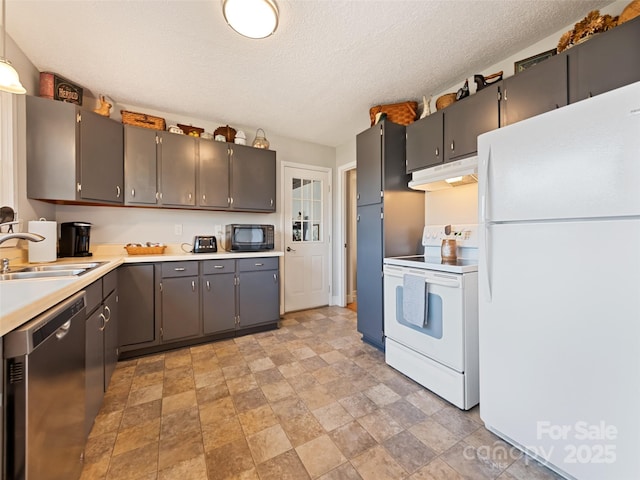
(22, 300)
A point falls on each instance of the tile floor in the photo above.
(308, 400)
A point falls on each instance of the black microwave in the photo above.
(240, 237)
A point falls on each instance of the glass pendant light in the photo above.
(9, 78)
(251, 18)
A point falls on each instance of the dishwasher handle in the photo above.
(55, 321)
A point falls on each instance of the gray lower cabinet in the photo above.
(258, 291)
(101, 342)
(605, 62)
(180, 295)
(73, 155)
(218, 288)
(181, 303)
(137, 306)
(538, 89)
(253, 179)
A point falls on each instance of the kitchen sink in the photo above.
(51, 271)
(64, 266)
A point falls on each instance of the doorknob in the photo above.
(289, 249)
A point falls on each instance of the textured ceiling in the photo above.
(314, 79)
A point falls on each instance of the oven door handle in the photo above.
(436, 279)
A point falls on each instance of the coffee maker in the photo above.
(74, 239)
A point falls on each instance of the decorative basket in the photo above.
(142, 120)
(189, 130)
(630, 11)
(445, 100)
(228, 132)
(401, 113)
(133, 250)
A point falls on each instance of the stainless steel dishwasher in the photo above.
(45, 393)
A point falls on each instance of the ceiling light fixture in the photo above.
(9, 78)
(251, 18)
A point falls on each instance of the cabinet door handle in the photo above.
(218, 266)
(453, 145)
(204, 198)
(208, 286)
(193, 285)
(437, 152)
(505, 94)
(275, 278)
(108, 310)
(231, 200)
(190, 196)
(259, 264)
(179, 269)
(358, 218)
(358, 196)
(104, 323)
(133, 192)
(118, 191)
(272, 202)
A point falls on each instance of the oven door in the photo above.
(442, 338)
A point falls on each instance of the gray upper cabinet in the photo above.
(140, 166)
(424, 142)
(539, 89)
(468, 118)
(253, 179)
(73, 154)
(177, 169)
(213, 175)
(369, 161)
(160, 168)
(607, 61)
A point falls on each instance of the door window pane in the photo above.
(306, 210)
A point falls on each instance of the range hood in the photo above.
(447, 175)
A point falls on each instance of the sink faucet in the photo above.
(32, 237)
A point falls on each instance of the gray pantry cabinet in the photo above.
(169, 304)
(73, 155)
(101, 342)
(390, 219)
(160, 168)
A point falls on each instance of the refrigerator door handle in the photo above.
(485, 189)
(487, 262)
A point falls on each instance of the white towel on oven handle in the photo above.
(414, 300)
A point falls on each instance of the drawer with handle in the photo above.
(179, 269)
(258, 263)
(218, 266)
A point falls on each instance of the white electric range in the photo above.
(442, 352)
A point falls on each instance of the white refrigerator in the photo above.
(559, 286)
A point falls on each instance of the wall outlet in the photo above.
(177, 229)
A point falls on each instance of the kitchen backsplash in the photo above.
(457, 205)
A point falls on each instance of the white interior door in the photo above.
(306, 238)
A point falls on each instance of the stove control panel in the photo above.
(465, 235)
